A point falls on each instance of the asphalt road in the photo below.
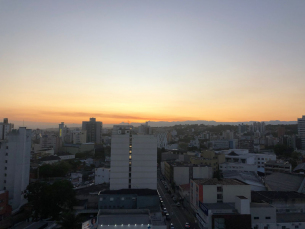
(177, 214)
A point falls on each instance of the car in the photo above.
(165, 210)
(160, 199)
(167, 216)
(174, 198)
(172, 226)
(187, 226)
(178, 204)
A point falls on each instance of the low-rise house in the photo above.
(49, 159)
(102, 175)
(278, 166)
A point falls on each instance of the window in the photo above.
(111, 198)
(6, 147)
(4, 181)
(5, 161)
(256, 217)
(5, 174)
(268, 217)
(5, 168)
(122, 198)
(219, 196)
(219, 189)
(6, 154)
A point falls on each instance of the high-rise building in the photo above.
(15, 154)
(301, 130)
(133, 160)
(5, 128)
(94, 130)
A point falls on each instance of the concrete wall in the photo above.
(181, 175)
(231, 191)
(262, 213)
(202, 172)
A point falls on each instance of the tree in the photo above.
(48, 200)
(69, 220)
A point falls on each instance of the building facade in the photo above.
(102, 175)
(301, 130)
(133, 160)
(15, 153)
(93, 130)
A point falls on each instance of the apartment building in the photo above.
(133, 159)
(15, 153)
(209, 158)
(93, 130)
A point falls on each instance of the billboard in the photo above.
(90, 224)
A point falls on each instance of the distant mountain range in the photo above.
(163, 123)
(45, 125)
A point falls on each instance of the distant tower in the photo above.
(93, 130)
(301, 130)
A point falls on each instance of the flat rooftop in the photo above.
(260, 205)
(215, 181)
(290, 217)
(220, 206)
(139, 192)
(124, 219)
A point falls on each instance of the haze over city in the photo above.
(136, 61)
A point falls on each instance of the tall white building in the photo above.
(93, 130)
(133, 160)
(301, 130)
(161, 139)
(5, 128)
(15, 155)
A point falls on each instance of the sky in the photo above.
(173, 60)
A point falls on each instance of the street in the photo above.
(177, 214)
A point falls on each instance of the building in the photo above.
(102, 175)
(279, 166)
(79, 136)
(217, 191)
(65, 156)
(133, 160)
(237, 166)
(277, 209)
(42, 153)
(250, 178)
(220, 144)
(50, 159)
(234, 215)
(180, 173)
(145, 129)
(246, 144)
(285, 182)
(243, 156)
(161, 139)
(15, 153)
(93, 130)
(48, 141)
(129, 199)
(263, 215)
(130, 219)
(5, 128)
(209, 158)
(5, 208)
(301, 130)
(300, 168)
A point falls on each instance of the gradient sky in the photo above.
(152, 60)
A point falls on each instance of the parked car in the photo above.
(187, 226)
(178, 204)
(167, 216)
(172, 226)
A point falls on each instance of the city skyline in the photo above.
(160, 61)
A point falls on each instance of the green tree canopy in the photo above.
(48, 200)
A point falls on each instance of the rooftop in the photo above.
(300, 167)
(260, 205)
(277, 162)
(219, 206)
(139, 192)
(284, 181)
(50, 158)
(269, 196)
(93, 189)
(290, 217)
(215, 181)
